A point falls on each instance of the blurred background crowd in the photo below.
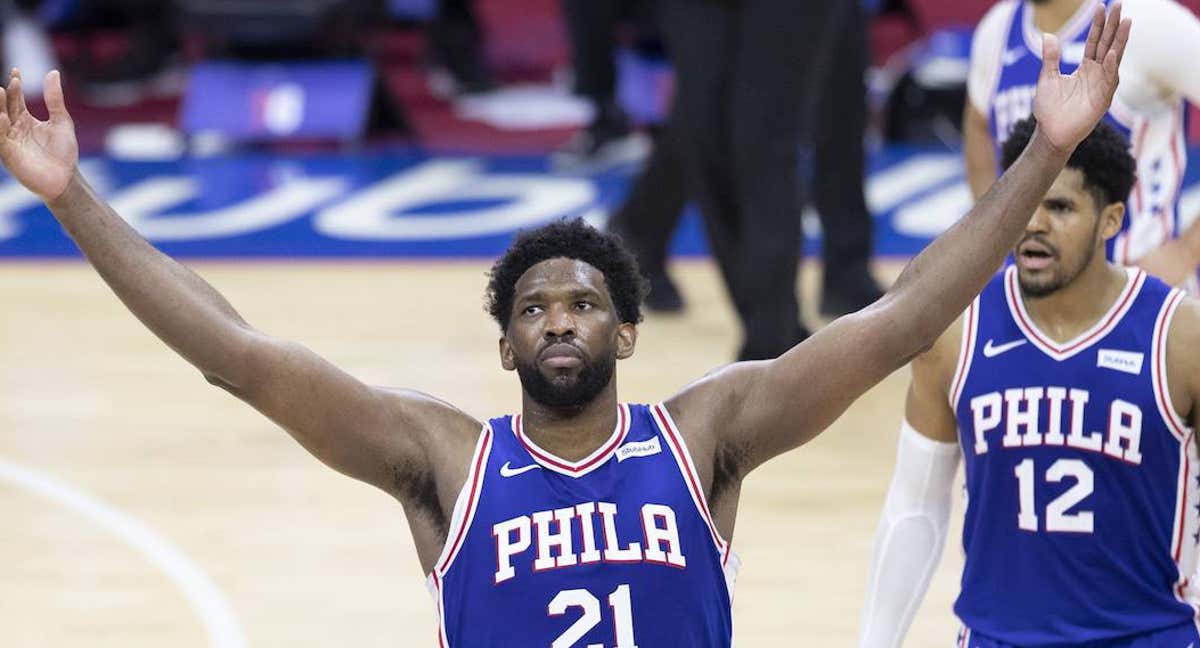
(747, 110)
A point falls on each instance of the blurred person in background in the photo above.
(26, 42)
(592, 28)
(838, 104)
(1157, 77)
(456, 45)
(743, 70)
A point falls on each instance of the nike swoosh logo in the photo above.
(1012, 55)
(508, 471)
(990, 351)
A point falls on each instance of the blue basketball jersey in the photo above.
(1157, 139)
(1081, 479)
(617, 550)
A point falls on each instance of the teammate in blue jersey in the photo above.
(1072, 387)
(581, 521)
(1157, 81)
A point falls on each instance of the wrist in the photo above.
(76, 185)
(1042, 147)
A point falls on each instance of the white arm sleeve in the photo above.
(910, 538)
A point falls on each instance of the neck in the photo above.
(574, 433)
(1074, 308)
(1053, 15)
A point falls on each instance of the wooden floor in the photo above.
(142, 507)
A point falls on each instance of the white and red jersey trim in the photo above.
(730, 562)
(1186, 524)
(1105, 325)
(460, 522)
(583, 466)
(966, 353)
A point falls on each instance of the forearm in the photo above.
(172, 301)
(910, 537)
(938, 284)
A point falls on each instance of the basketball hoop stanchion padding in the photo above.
(250, 101)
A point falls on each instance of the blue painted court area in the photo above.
(405, 203)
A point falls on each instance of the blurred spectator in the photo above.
(838, 164)
(456, 45)
(26, 43)
(743, 71)
(650, 214)
(592, 26)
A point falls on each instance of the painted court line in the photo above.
(215, 613)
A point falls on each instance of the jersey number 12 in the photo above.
(1057, 518)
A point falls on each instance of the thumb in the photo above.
(55, 103)
(1051, 53)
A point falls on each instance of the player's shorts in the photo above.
(1181, 636)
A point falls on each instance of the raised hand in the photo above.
(1068, 107)
(40, 154)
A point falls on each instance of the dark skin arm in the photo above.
(747, 413)
(388, 438)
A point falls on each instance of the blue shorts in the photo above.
(1181, 636)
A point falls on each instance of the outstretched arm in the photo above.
(381, 437)
(755, 411)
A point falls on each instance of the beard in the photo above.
(567, 391)
(1052, 284)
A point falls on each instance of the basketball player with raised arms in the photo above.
(1157, 77)
(1072, 388)
(580, 521)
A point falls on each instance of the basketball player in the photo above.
(1157, 77)
(1072, 385)
(580, 521)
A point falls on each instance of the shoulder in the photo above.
(993, 26)
(440, 427)
(1183, 338)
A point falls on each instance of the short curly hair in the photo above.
(1103, 158)
(571, 239)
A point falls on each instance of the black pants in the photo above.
(743, 72)
(831, 116)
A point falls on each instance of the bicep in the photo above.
(927, 404)
(371, 434)
(788, 401)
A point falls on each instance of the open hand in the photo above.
(1068, 107)
(40, 154)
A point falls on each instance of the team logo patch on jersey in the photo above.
(1126, 361)
(639, 449)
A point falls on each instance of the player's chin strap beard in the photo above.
(592, 378)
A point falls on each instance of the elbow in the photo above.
(903, 334)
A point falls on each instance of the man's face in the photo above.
(564, 336)
(1063, 237)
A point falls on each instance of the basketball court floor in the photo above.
(144, 507)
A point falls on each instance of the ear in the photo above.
(626, 340)
(507, 360)
(1111, 218)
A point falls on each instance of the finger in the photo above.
(1093, 35)
(1112, 60)
(1110, 31)
(16, 99)
(5, 124)
(1051, 52)
(56, 104)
